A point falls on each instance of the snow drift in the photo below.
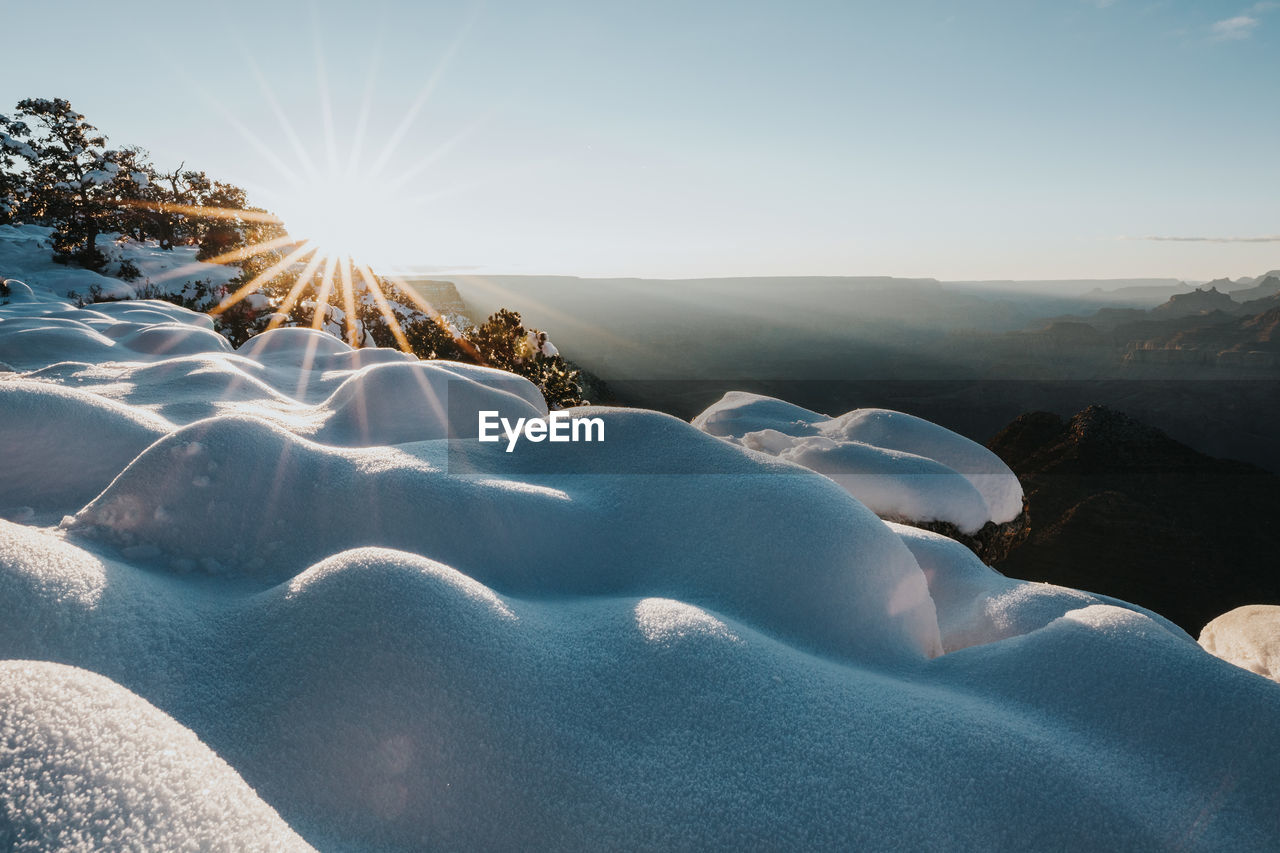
(291, 573)
(902, 467)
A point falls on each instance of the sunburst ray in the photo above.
(428, 89)
(198, 211)
(283, 309)
(286, 126)
(322, 86)
(243, 253)
(263, 277)
(322, 298)
(420, 302)
(348, 300)
(384, 307)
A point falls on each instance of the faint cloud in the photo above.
(1234, 29)
(1272, 238)
(1242, 25)
(1101, 4)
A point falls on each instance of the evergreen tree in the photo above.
(14, 151)
(503, 342)
(71, 173)
(430, 338)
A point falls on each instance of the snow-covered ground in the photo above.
(25, 255)
(280, 596)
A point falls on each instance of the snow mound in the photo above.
(85, 765)
(401, 402)
(903, 467)
(170, 339)
(27, 345)
(292, 345)
(977, 605)
(52, 332)
(891, 483)
(1248, 637)
(79, 444)
(272, 522)
(150, 311)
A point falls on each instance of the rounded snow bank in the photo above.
(292, 344)
(151, 311)
(791, 554)
(29, 345)
(384, 700)
(33, 336)
(85, 765)
(1248, 637)
(401, 402)
(19, 292)
(978, 605)
(902, 467)
(174, 339)
(60, 447)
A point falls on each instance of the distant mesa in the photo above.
(1198, 301)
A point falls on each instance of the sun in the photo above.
(346, 215)
(340, 212)
(335, 233)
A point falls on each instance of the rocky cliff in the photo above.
(1119, 508)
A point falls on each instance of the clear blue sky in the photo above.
(955, 140)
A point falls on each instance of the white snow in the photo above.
(86, 766)
(1248, 637)
(977, 605)
(283, 594)
(902, 467)
(26, 255)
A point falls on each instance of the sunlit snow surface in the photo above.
(1248, 636)
(268, 582)
(899, 465)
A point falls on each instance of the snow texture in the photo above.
(902, 467)
(1248, 637)
(85, 765)
(283, 594)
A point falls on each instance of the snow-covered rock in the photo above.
(1248, 637)
(902, 467)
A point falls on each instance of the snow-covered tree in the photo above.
(70, 170)
(15, 152)
(503, 342)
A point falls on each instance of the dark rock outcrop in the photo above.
(1120, 508)
(1196, 302)
(992, 543)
